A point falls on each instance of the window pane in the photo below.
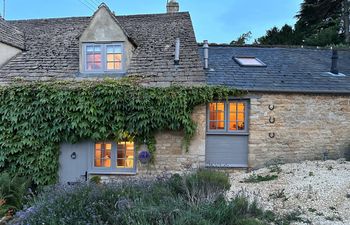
(110, 57)
(240, 125)
(125, 155)
(89, 48)
(117, 65)
(114, 49)
(103, 154)
(217, 116)
(118, 57)
(233, 107)
(233, 116)
(212, 125)
(97, 48)
(233, 125)
(129, 155)
(240, 116)
(240, 107)
(221, 125)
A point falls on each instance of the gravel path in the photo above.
(319, 190)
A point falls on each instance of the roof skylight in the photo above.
(249, 61)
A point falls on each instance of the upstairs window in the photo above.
(103, 57)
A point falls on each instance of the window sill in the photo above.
(102, 74)
(112, 173)
(228, 133)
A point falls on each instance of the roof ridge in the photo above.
(293, 47)
(87, 17)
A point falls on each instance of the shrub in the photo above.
(202, 186)
(159, 202)
(12, 193)
(258, 178)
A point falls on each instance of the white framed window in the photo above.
(98, 57)
(112, 157)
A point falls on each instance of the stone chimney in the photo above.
(172, 6)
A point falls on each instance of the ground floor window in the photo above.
(114, 157)
(230, 116)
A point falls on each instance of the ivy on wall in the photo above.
(37, 117)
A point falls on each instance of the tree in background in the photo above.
(320, 22)
(243, 39)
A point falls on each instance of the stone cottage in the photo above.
(297, 105)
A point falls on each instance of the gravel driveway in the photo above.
(320, 190)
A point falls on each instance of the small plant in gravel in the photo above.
(319, 214)
(330, 168)
(275, 169)
(312, 210)
(254, 178)
(279, 194)
(311, 174)
(334, 218)
(347, 195)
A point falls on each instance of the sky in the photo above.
(219, 21)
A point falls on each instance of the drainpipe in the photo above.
(206, 54)
(334, 68)
(177, 52)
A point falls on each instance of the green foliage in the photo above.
(320, 23)
(258, 178)
(37, 117)
(12, 193)
(202, 186)
(140, 202)
(95, 179)
(243, 39)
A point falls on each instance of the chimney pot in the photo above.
(334, 68)
(172, 6)
(206, 54)
(177, 52)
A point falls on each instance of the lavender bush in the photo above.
(179, 200)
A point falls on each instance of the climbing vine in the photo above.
(37, 117)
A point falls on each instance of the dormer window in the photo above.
(103, 57)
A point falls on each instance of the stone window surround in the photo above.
(113, 170)
(103, 58)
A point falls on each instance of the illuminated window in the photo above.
(111, 157)
(249, 61)
(103, 57)
(227, 116)
(103, 154)
(217, 116)
(114, 57)
(125, 155)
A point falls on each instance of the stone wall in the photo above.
(306, 126)
(171, 156)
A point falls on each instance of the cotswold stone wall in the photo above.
(171, 156)
(305, 127)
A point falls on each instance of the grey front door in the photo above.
(74, 161)
(227, 134)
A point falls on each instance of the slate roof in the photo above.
(10, 35)
(53, 49)
(288, 70)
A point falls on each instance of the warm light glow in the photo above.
(125, 155)
(103, 154)
(217, 116)
(237, 116)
